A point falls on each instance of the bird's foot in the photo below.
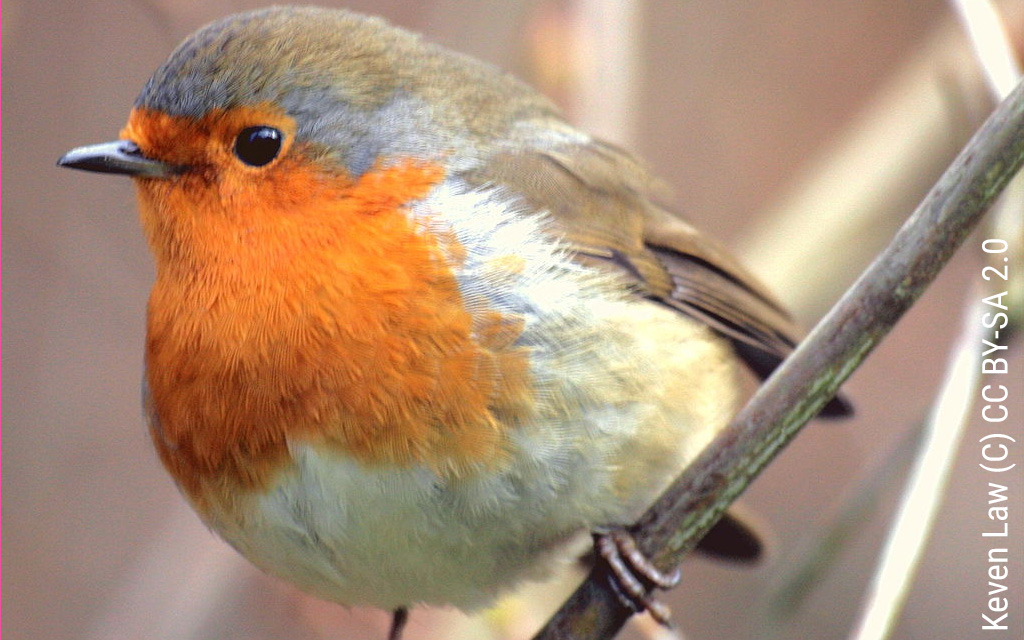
(631, 574)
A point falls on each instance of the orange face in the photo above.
(295, 302)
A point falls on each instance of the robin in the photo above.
(412, 335)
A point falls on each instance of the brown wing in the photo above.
(604, 203)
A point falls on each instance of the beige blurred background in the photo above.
(751, 111)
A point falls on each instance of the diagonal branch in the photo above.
(811, 376)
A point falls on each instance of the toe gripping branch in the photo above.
(631, 575)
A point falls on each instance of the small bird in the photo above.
(412, 335)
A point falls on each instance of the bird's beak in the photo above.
(120, 156)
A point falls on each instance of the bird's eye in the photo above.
(257, 146)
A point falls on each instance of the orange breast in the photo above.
(310, 307)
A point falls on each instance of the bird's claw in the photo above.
(628, 571)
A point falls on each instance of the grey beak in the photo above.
(120, 156)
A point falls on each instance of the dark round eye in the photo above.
(256, 146)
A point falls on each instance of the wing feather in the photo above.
(605, 204)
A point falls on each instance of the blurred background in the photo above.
(801, 132)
